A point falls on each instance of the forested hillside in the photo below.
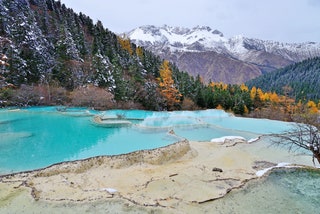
(50, 55)
(300, 81)
(49, 46)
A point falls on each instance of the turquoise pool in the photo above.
(283, 191)
(32, 138)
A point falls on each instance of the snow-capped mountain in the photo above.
(204, 51)
(178, 38)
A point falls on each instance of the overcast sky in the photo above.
(279, 20)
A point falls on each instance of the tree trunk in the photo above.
(316, 154)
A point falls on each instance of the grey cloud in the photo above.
(284, 20)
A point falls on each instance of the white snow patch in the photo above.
(222, 139)
(264, 171)
(253, 140)
(173, 35)
(138, 34)
(109, 190)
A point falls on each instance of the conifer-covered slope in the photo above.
(50, 44)
(50, 55)
(302, 80)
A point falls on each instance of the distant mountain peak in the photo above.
(204, 38)
(198, 38)
(203, 50)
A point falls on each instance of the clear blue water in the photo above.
(37, 137)
(283, 191)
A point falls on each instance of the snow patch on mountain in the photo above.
(178, 38)
(201, 39)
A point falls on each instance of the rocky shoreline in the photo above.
(178, 178)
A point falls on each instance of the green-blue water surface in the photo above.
(284, 191)
(32, 138)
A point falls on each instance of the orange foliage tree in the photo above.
(125, 44)
(312, 106)
(243, 87)
(253, 92)
(282, 107)
(274, 97)
(218, 85)
(167, 88)
(139, 52)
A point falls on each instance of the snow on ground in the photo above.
(264, 171)
(222, 139)
(253, 140)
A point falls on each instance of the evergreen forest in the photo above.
(300, 80)
(50, 55)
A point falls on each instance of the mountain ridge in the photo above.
(264, 56)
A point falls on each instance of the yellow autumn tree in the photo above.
(274, 97)
(261, 94)
(218, 85)
(245, 110)
(125, 44)
(253, 92)
(167, 88)
(139, 52)
(243, 87)
(219, 107)
(312, 106)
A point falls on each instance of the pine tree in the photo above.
(102, 71)
(3, 62)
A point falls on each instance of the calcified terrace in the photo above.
(177, 178)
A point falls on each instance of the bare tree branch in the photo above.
(304, 135)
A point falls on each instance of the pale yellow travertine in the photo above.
(176, 179)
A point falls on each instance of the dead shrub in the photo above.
(92, 96)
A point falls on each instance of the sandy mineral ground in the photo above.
(181, 178)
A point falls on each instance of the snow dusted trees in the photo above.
(52, 47)
(56, 51)
(102, 74)
(4, 42)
